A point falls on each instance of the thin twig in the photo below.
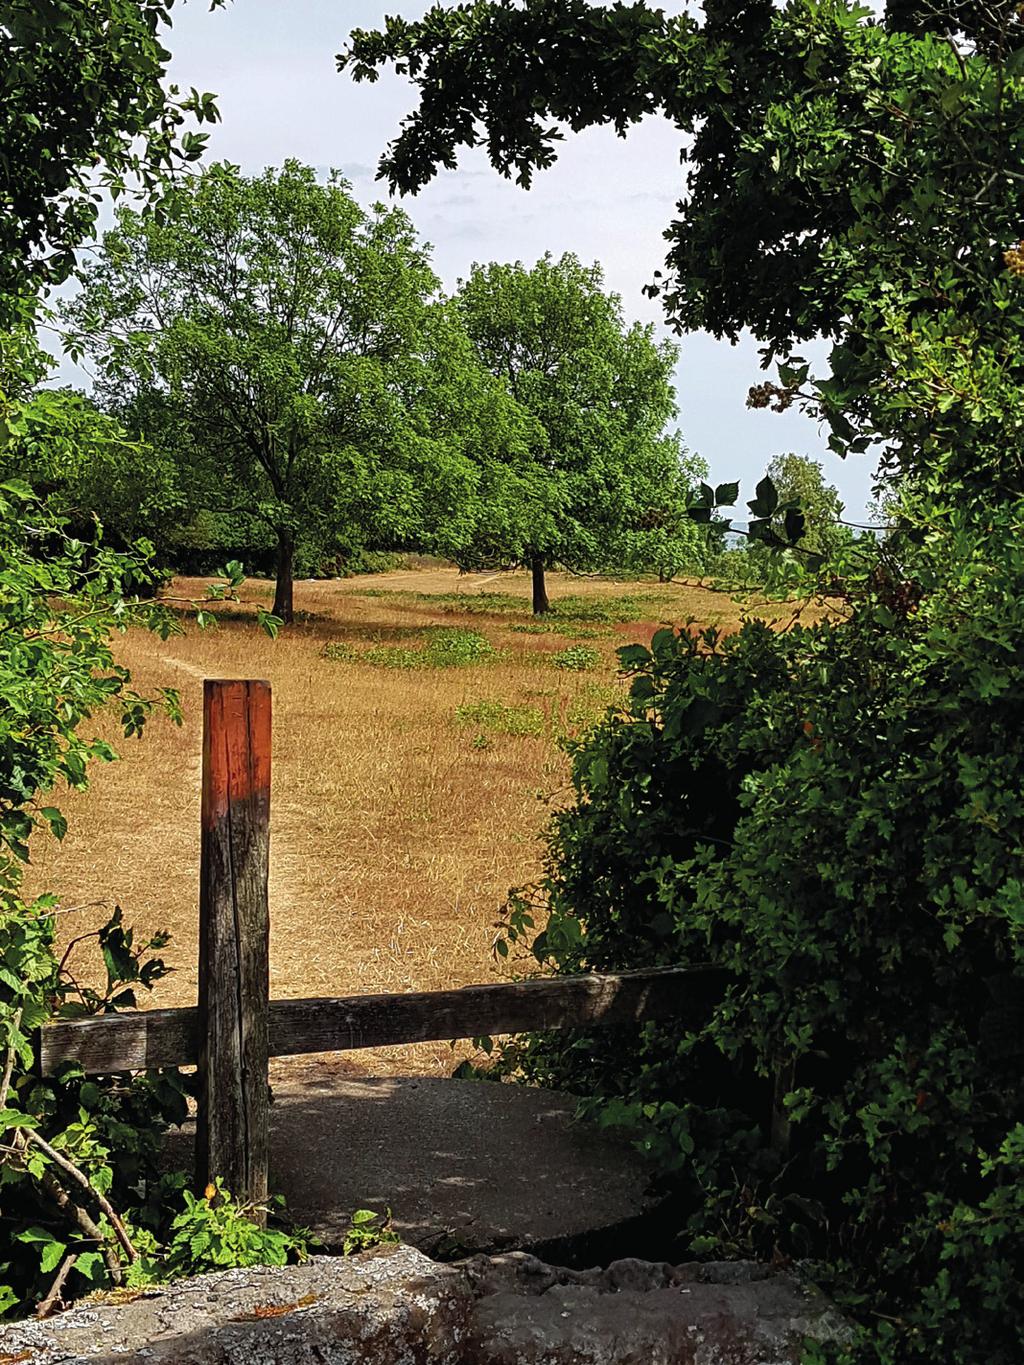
(47, 1305)
(79, 1175)
(67, 1206)
(81, 938)
(5, 1084)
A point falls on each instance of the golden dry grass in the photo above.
(395, 833)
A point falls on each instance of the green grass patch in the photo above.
(591, 703)
(564, 632)
(442, 647)
(611, 610)
(581, 610)
(501, 718)
(577, 659)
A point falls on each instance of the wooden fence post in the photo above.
(232, 1131)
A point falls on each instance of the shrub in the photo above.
(626, 607)
(367, 1230)
(214, 1232)
(577, 659)
(456, 647)
(81, 1196)
(835, 817)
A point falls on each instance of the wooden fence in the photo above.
(236, 1027)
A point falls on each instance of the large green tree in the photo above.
(597, 474)
(844, 176)
(275, 322)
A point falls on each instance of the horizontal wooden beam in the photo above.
(153, 1038)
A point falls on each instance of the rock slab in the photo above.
(394, 1306)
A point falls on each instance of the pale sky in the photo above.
(272, 68)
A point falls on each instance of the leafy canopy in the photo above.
(84, 109)
(832, 816)
(595, 481)
(844, 177)
(270, 318)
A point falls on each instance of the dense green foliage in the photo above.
(84, 1203)
(834, 816)
(596, 482)
(83, 106)
(309, 393)
(844, 176)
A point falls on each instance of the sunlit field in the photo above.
(410, 787)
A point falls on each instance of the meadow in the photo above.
(419, 720)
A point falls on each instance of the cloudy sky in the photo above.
(272, 67)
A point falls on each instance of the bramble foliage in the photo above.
(367, 1230)
(63, 599)
(120, 1219)
(796, 479)
(83, 1202)
(834, 816)
(214, 1232)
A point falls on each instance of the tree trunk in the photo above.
(283, 607)
(540, 592)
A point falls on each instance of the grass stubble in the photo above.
(402, 810)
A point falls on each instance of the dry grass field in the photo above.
(406, 799)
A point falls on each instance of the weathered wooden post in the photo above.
(232, 1137)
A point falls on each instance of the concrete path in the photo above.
(464, 1165)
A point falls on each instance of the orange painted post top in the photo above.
(232, 1130)
(236, 744)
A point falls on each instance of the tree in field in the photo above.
(272, 320)
(597, 471)
(799, 481)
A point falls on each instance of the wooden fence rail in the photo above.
(152, 1038)
(236, 1027)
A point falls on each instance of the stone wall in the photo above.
(394, 1306)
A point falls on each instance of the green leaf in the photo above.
(765, 500)
(14, 1118)
(90, 1266)
(57, 822)
(52, 1255)
(726, 494)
